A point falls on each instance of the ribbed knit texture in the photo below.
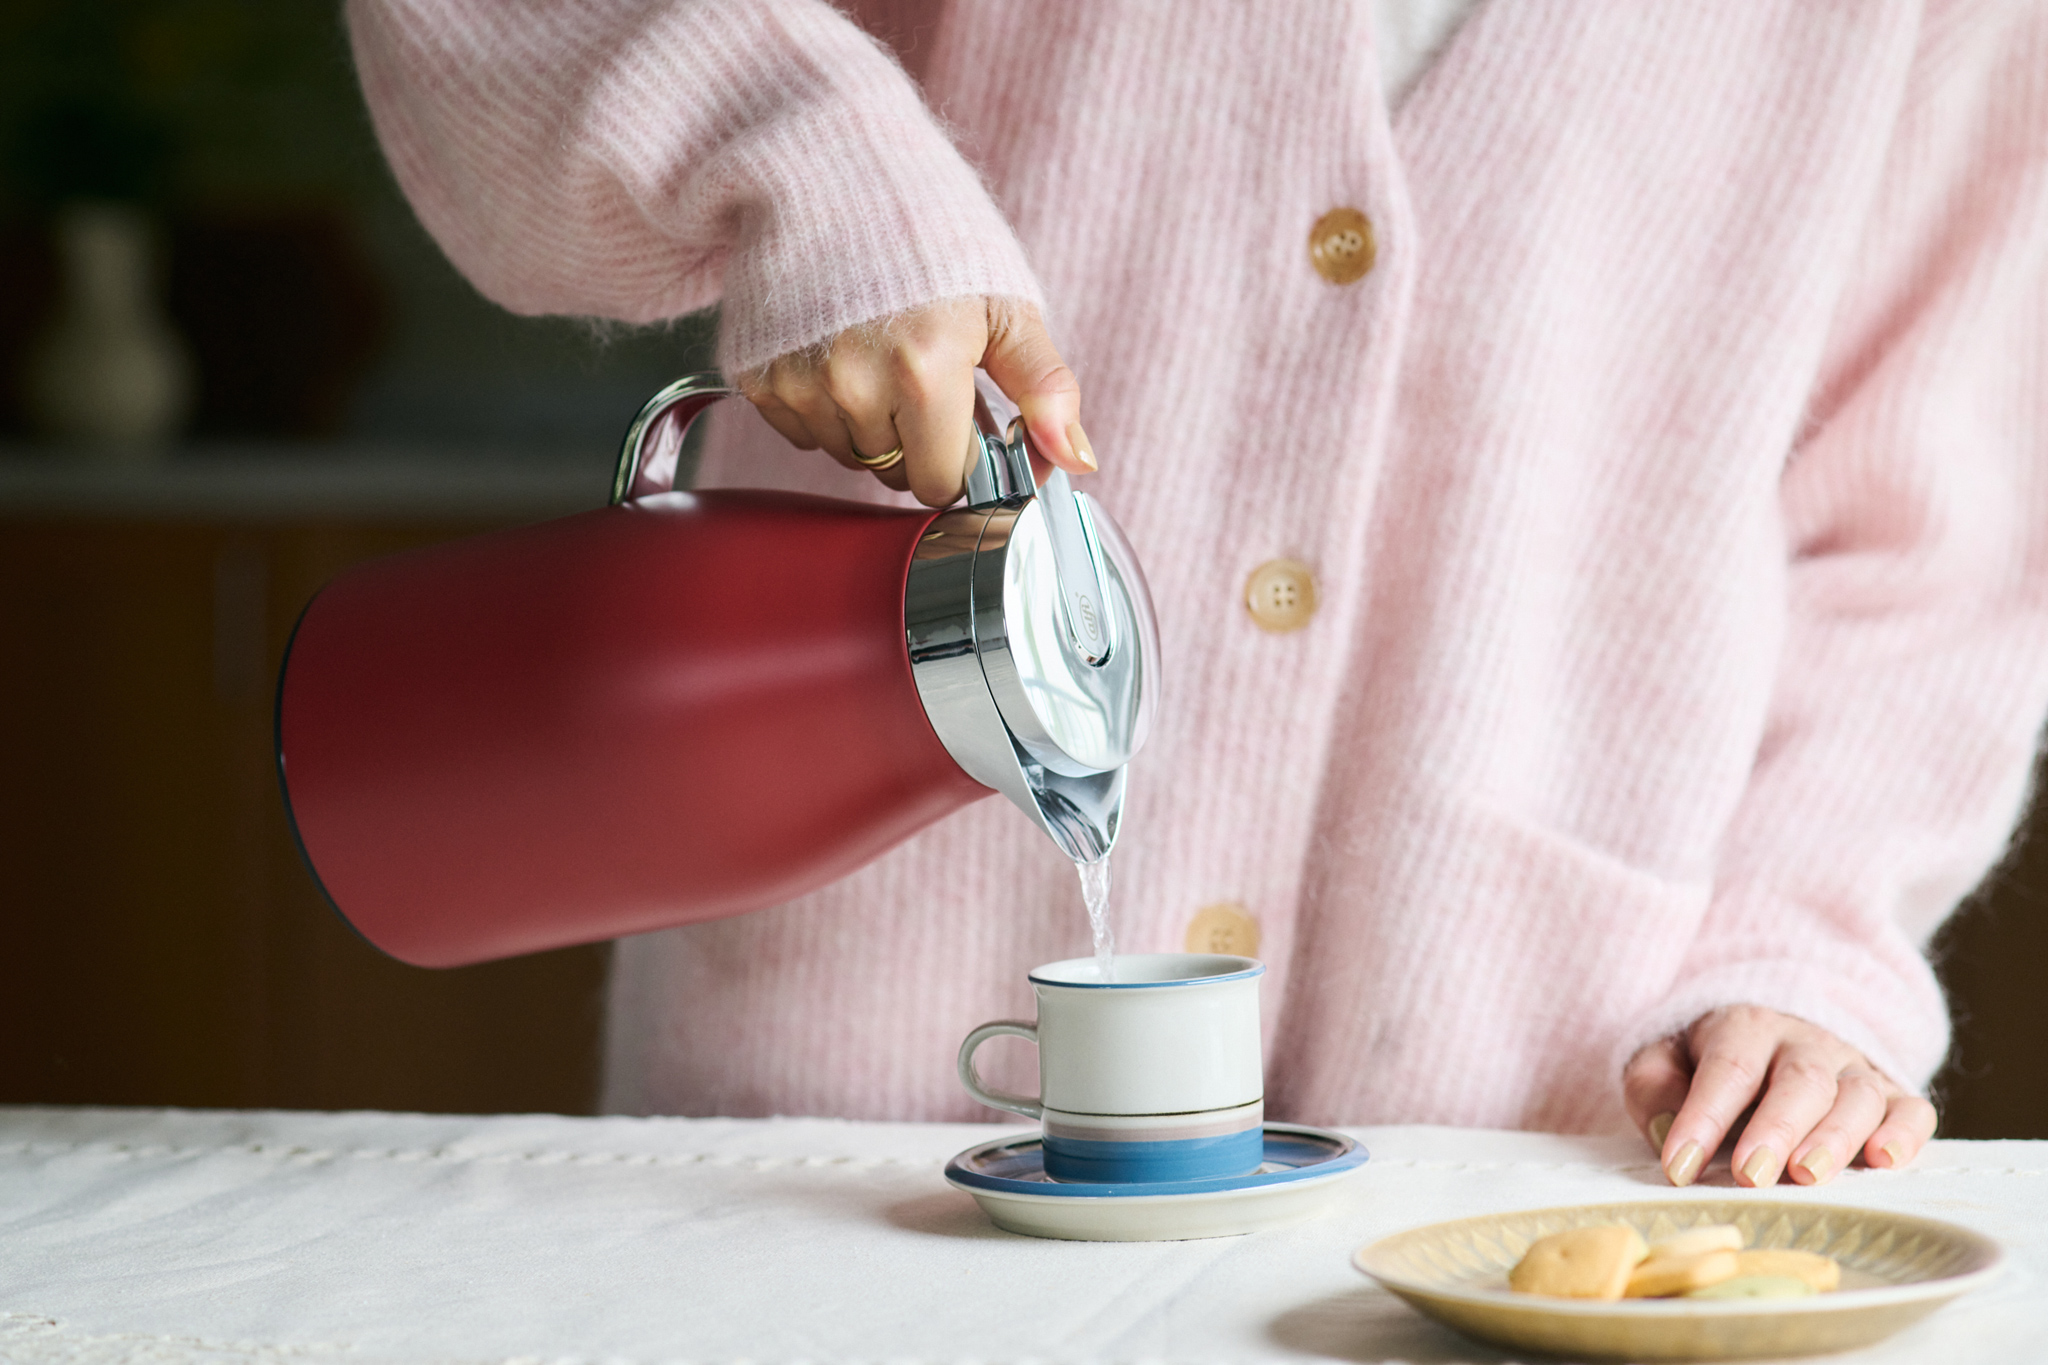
(1676, 486)
(637, 159)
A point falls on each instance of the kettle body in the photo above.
(682, 707)
(688, 705)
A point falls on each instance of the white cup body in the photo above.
(1177, 1033)
(1157, 1076)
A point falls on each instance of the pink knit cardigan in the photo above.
(1676, 486)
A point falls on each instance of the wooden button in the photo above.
(1281, 595)
(1341, 246)
(1224, 928)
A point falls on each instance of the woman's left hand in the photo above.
(1819, 1102)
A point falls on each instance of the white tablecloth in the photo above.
(314, 1238)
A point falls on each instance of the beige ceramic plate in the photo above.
(1896, 1269)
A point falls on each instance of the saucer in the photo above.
(1302, 1165)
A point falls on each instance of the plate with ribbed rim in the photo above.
(1896, 1269)
(1007, 1178)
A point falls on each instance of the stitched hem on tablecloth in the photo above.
(1638, 1167)
(555, 1157)
(35, 1339)
(545, 1157)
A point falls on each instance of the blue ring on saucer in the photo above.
(1091, 1161)
(1293, 1152)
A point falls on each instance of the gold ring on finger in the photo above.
(875, 464)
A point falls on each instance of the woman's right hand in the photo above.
(909, 381)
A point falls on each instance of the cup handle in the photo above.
(1028, 1106)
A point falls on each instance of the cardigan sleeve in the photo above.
(641, 159)
(1914, 673)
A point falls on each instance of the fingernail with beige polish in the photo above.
(1762, 1168)
(1896, 1150)
(1660, 1128)
(1078, 439)
(1818, 1163)
(1685, 1166)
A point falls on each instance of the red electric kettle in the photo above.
(687, 705)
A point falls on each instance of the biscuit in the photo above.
(1699, 1241)
(1582, 1263)
(1755, 1287)
(1819, 1271)
(1668, 1275)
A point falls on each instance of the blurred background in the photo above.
(231, 363)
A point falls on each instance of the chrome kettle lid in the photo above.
(1033, 644)
(1069, 664)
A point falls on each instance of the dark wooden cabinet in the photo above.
(160, 943)
(1993, 958)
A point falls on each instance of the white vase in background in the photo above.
(109, 373)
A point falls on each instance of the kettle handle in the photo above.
(999, 470)
(666, 419)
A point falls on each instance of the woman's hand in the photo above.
(1819, 1102)
(908, 383)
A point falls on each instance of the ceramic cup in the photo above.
(1155, 1076)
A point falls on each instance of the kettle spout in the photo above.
(1081, 814)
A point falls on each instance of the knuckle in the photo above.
(1652, 1064)
(1777, 1131)
(1806, 1071)
(918, 373)
(1707, 1030)
(792, 390)
(1731, 1068)
(1916, 1111)
(1059, 381)
(1747, 1016)
(843, 346)
(848, 381)
(1720, 1111)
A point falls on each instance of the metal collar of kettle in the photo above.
(1026, 616)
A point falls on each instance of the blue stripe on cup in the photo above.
(1199, 1158)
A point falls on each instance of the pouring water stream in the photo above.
(1095, 894)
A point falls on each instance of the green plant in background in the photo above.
(159, 101)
